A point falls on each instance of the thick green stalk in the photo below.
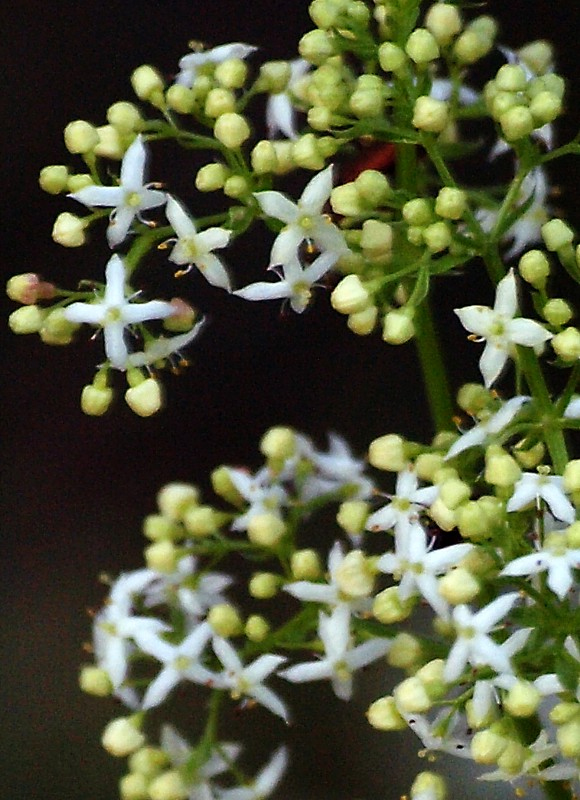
(433, 368)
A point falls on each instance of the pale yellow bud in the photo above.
(96, 400)
(430, 115)
(133, 787)
(180, 98)
(174, 499)
(470, 46)
(454, 492)
(458, 586)
(405, 651)
(363, 322)
(501, 469)
(147, 83)
(231, 73)
(389, 608)
(556, 234)
(95, 681)
(162, 556)
(350, 296)
(355, 576)
(305, 565)
(411, 696)
(388, 453)
(256, 628)
(306, 153)
(111, 144)
(522, 700)
(352, 516)
(223, 485)
(417, 212)
(444, 21)
(568, 738)
(264, 585)
(278, 443)
(572, 476)
(211, 177)
(511, 78)
(450, 203)
(122, 737)
(80, 136)
(428, 785)
(263, 157)
(557, 311)
(398, 326)
(534, 268)
(219, 101)
(232, 130)
(157, 527)
(274, 76)
(266, 529)
(346, 201)
(124, 116)
(316, 46)
(225, 620)
(168, 786)
(422, 46)
(28, 319)
(437, 236)
(391, 57)
(512, 758)
(516, 123)
(201, 521)
(427, 464)
(54, 179)
(146, 398)
(78, 181)
(567, 344)
(69, 230)
(373, 187)
(377, 237)
(487, 747)
(384, 716)
(565, 712)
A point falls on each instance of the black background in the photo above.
(75, 489)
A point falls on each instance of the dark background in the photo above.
(74, 489)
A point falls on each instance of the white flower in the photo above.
(532, 487)
(265, 782)
(555, 557)
(500, 329)
(341, 659)
(295, 282)
(538, 752)
(336, 469)
(115, 312)
(473, 644)
(416, 566)
(164, 347)
(487, 427)
(191, 63)
(196, 248)
(442, 89)
(280, 111)
(437, 735)
(128, 199)
(262, 495)
(305, 220)
(247, 680)
(180, 662)
(405, 506)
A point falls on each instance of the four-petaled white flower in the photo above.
(128, 199)
(532, 487)
(437, 735)
(280, 110)
(115, 312)
(304, 220)
(193, 248)
(341, 659)
(538, 753)
(246, 681)
(501, 330)
(190, 64)
(164, 348)
(336, 469)
(180, 662)
(265, 781)
(416, 566)
(487, 427)
(295, 282)
(261, 492)
(556, 557)
(473, 644)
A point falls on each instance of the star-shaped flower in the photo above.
(192, 63)
(164, 348)
(304, 220)
(533, 486)
(487, 427)
(473, 644)
(264, 783)
(128, 199)
(295, 282)
(556, 557)
(115, 312)
(334, 470)
(193, 248)
(501, 330)
(341, 658)
(280, 111)
(260, 490)
(405, 506)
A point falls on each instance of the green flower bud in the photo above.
(236, 187)
(511, 78)
(450, 203)
(368, 98)
(568, 738)
(473, 398)
(389, 608)
(54, 179)
(133, 787)
(388, 453)
(405, 651)
(398, 326)
(256, 628)
(80, 136)
(305, 565)
(232, 130)
(522, 700)
(571, 478)
(534, 268)
(96, 400)
(565, 712)
(516, 123)
(567, 344)
(28, 319)
(157, 527)
(428, 784)
(512, 758)
(56, 329)
(78, 181)
(356, 576)
(316, 47)
(231, 73)
(264, 158)
(110, 144)
(225, 620)
(174, 499)
(201, 521)
(545, 108)
(430, 114)
(417, 212)
(27, 288)
(352, 516)
(306, 153)
(211, 177)
(444, 21)
(487, 747)
(146, 398)
(556, 234)
(162, 556)
(427, 464)
(168, 786)
(266, 529)
(219, 101)
(350, 296)
(362, 323)
(373, 187)
(69, 230)
(264, 585)
(274, 76)
(538, 56)
(278, 443)
(95, 681)
(180, 98)
(422, 46)
(384, 716)
(557, 312)
(437, 236)
(320, 118)
(125, 116)
(391, 57)
(471, 45)
(346, 201)
(148, 84)
(412, 697)
(458, 586)
(122, 737)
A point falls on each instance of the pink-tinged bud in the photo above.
(182, 318)
(28, 288)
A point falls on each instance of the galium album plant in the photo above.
(386, 113)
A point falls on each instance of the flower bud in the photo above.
(231, 73)
(534, 268)
(470, 46)
(355, 576)
(256, 628)
(78, 181)
(545, 108)
(352, 516)
(450, 203)
(556, 234)
(516, 123)
(430, 114)
(94, 680)
(284, 160)
(133, 786)
(384, 716)
(363, 322)
(162, 556)
(454, 492)
(412, 697)
(442, 515)
(368, 98)
(511, 78)
(174, 499)
(111, 144)
(27, 288)
(350, 296)
(56, 329)
(568, 738)
(53, 179)
(96, 400)
(500, 468)
(373, 188)
(571, 478)
(28, 319)
(512, 758)
(437, 236)
(124, 116)
(472, 522)
(157, 527)
(122, 737)
(376, 238)
(147, 84)
(391, 57)
(389, 608)
(388, 453)
(458, 586)
(264, 158)
(538, 56)
(231, 130)
(180, 98)
(346, 201)
(567, 344)
(168, 786)
(69, 230)
(219, 101)
(264, 585)
(444, 21)
(225, 620)
(427, 464)
(266, 530)
(564, 712)
(522, 700)
(306, 153)
(487, 747)
(146, 398)
(80, 136)
(278, 443)
(422, 46)
(201, 521)
(398, 326)
(223, 486)
(428, 784)
(557, 312)
(316, 47)
(305, 565)
(405, 651)
(274, 76)
(417, 212)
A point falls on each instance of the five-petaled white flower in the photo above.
(190, 64)
(128, 199)
(487, 427)
(533, 486)
(500, 329)
(295, 282)
(115, 312)
(304, 220)
(280, 110)
(473, 644)
(341, 658)
(556, 557)
(193, 248)
(246, 681)
(265, 781)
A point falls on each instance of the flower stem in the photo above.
(433, 368)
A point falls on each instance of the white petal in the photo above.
(264, 291)
(179, 219)
(527, 332)
(115, 347)
(506, 298)
(133, 166)
(317, 192)
(476, 319)
(491, 364)
(107, 196)
(277, 205)
(91, 313)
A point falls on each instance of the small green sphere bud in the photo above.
(266, 530)
(384, 716)
(306, 153)
(122, 737)
(133, 786)
(454, 492)
(147, 84)
(405, 651)
(564, 712)
(274, 76)
(572, 476)
(54, 179)
(211, 177)
(392, 58)
(373, 187)
(470, 46)
(437, 236)
(388, 453)
(162, 556)
(305, 565)
(368, 98)
(225, 620)
(124, 116)
(534, 268)
(417, 212)
(111, 144)
(545, 108)
(444, 21)
(516, 123)
(428, 785)
(422, 46)
(223, 486)
(232, 130)
(568, 738)
(376, 238)
(501, 469)
(201, 521)
(316, 47)
(180, 98)
(94, 680)
(350, 296)
(28, 319)
(511, 78)
(442, 515)
(231, 73)
(56, 329)
(411, 696)
(557, 312)
(320, 118)
(352, 516)
(256, 628)
(430, 114)
(264, 585)
(450, 203)
(538, 56)
(362, 323)
(96, 400)
(219, 101)
(398, 326)
(80, 136)
(278, 443)
(473, 398)
(458, 586)
(473, 522)
(69, 230)
(284, 158)
(174, 499)
(427, 464)
(78, 181)
(236, 187)
(389, 608)
(355, 576)
(264, 158)
(157, 527)
(146, 398)
(346, 201)
(487, 747)
(556, 234)
(567, 344)
(522, 700)
(168, 786)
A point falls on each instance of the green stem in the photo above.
(433, 368)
